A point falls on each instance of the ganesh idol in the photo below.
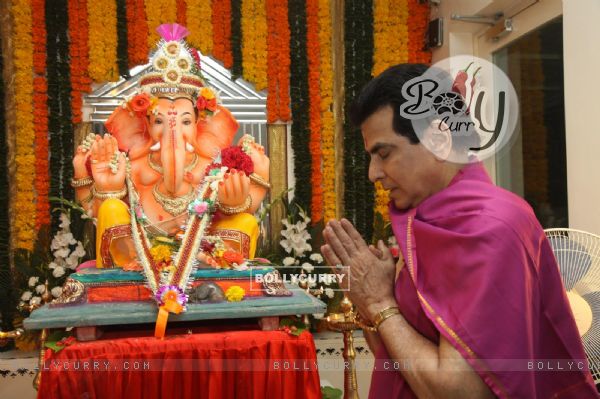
(167, 174)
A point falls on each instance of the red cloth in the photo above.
(238, 364)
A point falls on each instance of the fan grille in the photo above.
(578, 256)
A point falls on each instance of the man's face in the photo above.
(409, 171)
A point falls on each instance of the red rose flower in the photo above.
(234, 158)
(140, 104)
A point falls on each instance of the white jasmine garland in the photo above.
(329, 292)
(316, 258)
(33, 281)
(56, 291)
(40, 289)
(308, 267)
(58, 271)
(288, 261)
(26, 296)
(36, 300)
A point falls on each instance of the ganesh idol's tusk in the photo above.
(155, 146)
(189, 147)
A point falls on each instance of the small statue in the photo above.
(207, 292)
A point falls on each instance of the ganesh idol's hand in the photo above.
(257, 154)
(79, 160)
(372, 270)
(102, 153)
(234, 189)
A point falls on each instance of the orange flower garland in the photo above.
(158, 12)
(417, 26)
(199, 23)
(254, 42)
(327, 121)
(278, 61)
(78, 51)
(102, 40)
(24, 201)
(221, 21)
(182, 12)
(137, 33)
(314, 66)
(40, 114)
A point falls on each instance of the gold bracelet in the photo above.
(385, 314)
(88, 199)
(102, 195)
(228, 210)
(84, 181)
(257, 179)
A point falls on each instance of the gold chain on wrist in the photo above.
(229, 210)
(84, 181)
(103, 195)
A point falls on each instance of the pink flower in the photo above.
(201, 208)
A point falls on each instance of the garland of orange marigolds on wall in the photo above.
(313, 52)
(221, 21)
(78, 51)
(137, 33)
(102, 39)
(158, 12)
(254, 42)
(278, 61)
(199, 17)
(24, 201)
(40, 114)
(182, 12)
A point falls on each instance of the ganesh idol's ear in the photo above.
(215, 132)
(130, 131)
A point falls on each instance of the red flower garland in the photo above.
(182, 12)
(221, 21)
(137, 33)
(418, 19)
(314, 68)
(235, 158)
(78, 51)
(40, 114)
(278, 61)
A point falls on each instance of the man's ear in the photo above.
(438, 139)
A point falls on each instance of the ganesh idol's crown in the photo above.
(175, 71)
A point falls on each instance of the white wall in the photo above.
(581, 38)
(581, 35)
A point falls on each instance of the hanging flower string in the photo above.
(199, 23)
(137, 33)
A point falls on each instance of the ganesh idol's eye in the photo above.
(158, 121)
(187, 122)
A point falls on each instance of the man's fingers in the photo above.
(330, 256)
(375, 251)
(353, 234)
(385, 251)
(343, 237)
(336, 245)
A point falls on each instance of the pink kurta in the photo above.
(489, 283)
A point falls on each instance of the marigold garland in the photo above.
(254, 42)
(417, 28)
(40, 114)
(158, 12)
(390, 39)
(327, 121)
(137, 33)
(221, 21)
(24, 204)
(314, 66)
(278, 61)
(78, 52)
(182, 12)
(102, 40)
(199, 23)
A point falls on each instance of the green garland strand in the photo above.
(300, 103)
(7, 302)
(59, 101)
(236, 38)
(122, 55)
(358, 43)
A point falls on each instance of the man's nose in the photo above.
(375, 172)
